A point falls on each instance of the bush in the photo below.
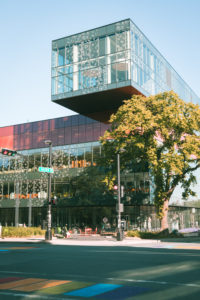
(152, 235)
(133, 233)
(59, 230)
(22, 231)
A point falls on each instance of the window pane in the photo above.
(102, 46)
(94, 49)
(54, 58)
(61, 56)
(69, 55)
(112, 43)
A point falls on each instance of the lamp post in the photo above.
(48, 234)
(30, 210)
(17, 205)
(119, 205)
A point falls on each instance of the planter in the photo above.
(188, 234)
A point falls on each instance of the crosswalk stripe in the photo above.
(20, 248)
(9, 279)
(16, 248)
(12, 285)
(94, 290)
(40, 285)
(73, 285)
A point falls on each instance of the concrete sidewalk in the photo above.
(111, 242)
(108, 241)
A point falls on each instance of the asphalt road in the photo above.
(44, 271)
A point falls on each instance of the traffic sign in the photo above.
(46, 170)
(120, 207)
(105, 220)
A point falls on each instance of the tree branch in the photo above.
(179, 177)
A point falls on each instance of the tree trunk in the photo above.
(164, 220)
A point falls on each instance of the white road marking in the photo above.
(156, 282)
(146, 252)
(32, 296)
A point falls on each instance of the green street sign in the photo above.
(46, 170)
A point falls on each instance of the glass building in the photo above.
(76, 152)
(92, 73)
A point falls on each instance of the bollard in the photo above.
(120, 235)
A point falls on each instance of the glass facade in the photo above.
(81, 197)
(75, 148)
(91, 61)
(61, 131)
(110, 57)
(68, 163)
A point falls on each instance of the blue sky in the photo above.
(27, 28)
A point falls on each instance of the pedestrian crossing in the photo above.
(69, 289)
(16, 248)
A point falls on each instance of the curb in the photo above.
(77, 242)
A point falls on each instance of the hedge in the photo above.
(152, 235)
(22, 231)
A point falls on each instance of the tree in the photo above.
(89, 187)
(164, 131)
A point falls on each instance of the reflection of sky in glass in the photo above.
(109, 57)
(177, 195)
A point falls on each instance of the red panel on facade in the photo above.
(54, 137)
(89, 133)
(34, 140)
(75, 135)
(68, 136)
(7, 137)
(104, 127)
(6, 142)
(81, 133)
(39, 124)
(6, 131)
(61, 137)
(96, 131)
(52, 124)
(47, 135)
(61, 131)
(46, 125)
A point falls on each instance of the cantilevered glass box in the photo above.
(94, 71)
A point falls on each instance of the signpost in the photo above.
(17, 205)
(45, 170)
(49, 170)
(119, 204)
(120, 207)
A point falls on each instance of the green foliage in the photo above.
(22, 231)
(162, 130)
(133, 233)
(89, 186)
(152, 235)
(59, 230)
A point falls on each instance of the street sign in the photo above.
(122, 191)
(46, 170)
(105, 220)
(120, 207)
